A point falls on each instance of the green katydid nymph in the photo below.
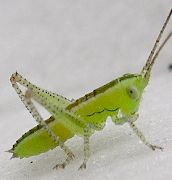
(118, 99)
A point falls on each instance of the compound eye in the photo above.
(133, 92)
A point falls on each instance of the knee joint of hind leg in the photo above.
(13, 78)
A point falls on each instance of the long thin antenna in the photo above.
(158, 51)
(149, 60)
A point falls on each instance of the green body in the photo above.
(93, 109)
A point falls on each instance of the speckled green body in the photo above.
(93, 108)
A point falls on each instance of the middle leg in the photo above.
(86, 148)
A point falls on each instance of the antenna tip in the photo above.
(170, 67)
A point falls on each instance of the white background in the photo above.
(72, 47)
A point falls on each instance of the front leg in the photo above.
(142, 137)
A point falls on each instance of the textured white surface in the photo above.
(72, 47)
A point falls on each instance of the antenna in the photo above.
(151, 59)
(159, 49)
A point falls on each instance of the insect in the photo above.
(118, 99)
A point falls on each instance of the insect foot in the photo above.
(83, 166)
(70, 157)
(153, 147)
(60, 166)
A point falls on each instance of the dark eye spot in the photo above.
(131, 91)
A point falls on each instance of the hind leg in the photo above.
(26, 99)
